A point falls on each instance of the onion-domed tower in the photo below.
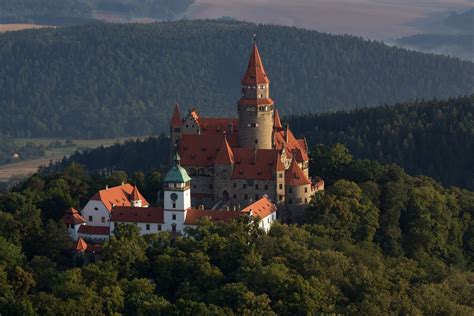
(255, 107)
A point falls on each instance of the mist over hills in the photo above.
(104, 80)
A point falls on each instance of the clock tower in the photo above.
(177, 196)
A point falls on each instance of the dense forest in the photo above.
(60, 12)
(104, 80)
(377, 241)
(434, 138)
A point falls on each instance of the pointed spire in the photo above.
(135, 196)
(176, 118)
(225, 156)
(177, 159)
(277, 121)
(255, 73)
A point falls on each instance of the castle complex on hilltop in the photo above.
(222, 168)
(234, 161)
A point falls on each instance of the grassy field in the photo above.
(28, 167)
(19, 27)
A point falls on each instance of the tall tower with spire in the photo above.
(255, 106)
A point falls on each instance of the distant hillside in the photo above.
(68, 12)
(104, 80)
(433, 138)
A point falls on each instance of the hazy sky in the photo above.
(377, 19)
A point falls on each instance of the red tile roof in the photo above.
(224, 156)
(137, 214)
(220, 126)
(294, 176)
(135, 196)
(119, 195)
(193, 215)
(81, 245)
(199, 150)
(263, 101)
(176, 118)
(94, 230)
(276, 120)
(255, 73)
(257, 164)
(73, 217)
(285, 138)
(261, 208)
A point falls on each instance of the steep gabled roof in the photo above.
(73, 217)
(261, 208)
(119, 195)
(294, 176)
(193, 215)
(225, 156)
(284, 138)
(176, 118)
(127, 214)
(255, 73)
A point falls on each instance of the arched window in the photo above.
(201, 172)
(192, 171)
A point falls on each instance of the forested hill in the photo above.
(103, 80)
(434, 138)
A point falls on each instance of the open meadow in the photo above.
(28, 167)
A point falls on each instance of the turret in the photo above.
(135, 199)
(255, 106)
(177, 195)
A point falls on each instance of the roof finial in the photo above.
(254, 38)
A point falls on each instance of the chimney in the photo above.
(201, 207)
(123, 183)
(287, 132)
(107, 187)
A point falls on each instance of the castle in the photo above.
(124, 204)
(234, 161)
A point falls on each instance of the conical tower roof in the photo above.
(255, 73)
(176, 118)
(135, 196)
(276, 120)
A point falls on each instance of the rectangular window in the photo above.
(174, 205)
(90, 218)
(102, 219)
(174, 216)
(290, 201)
(280, 186)
(235, 184)
(159, 227)
(177, 129)
(244, 186)
(266, 186)
(256, 187)
(256, 197)
(235, 196)
(280, 175)
(246, 197)
(147, 226)
(305, 190)
(290, 190)
(281, 197)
